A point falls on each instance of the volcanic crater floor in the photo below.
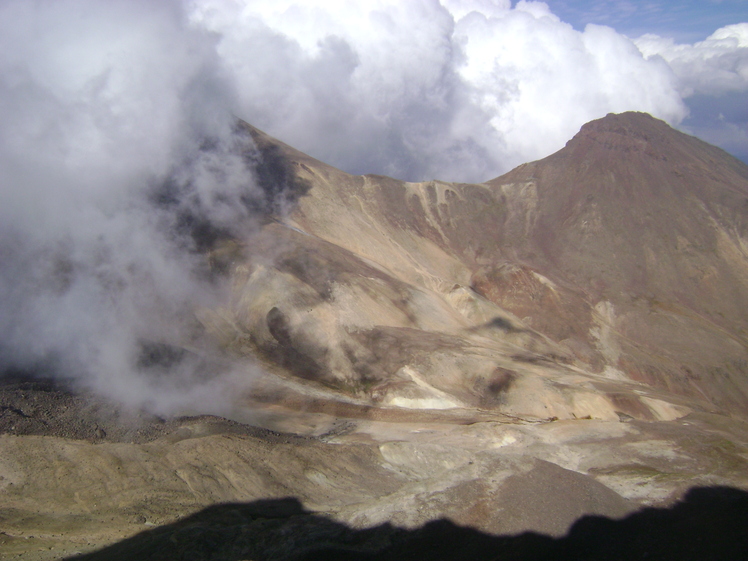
(83, 478)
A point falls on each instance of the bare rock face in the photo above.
(548, 365)
(617, 263)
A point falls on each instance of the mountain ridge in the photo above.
(565, 259)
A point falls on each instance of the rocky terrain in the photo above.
(551, 364)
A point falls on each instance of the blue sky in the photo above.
(686, 21)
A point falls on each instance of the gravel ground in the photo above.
(48, 407)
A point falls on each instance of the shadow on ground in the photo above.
(708, 524)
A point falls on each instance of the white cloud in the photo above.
(712, 78)
(101, 104)
(532, 73)
(715, 66)
(455, 90)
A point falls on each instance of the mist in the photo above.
(122, 165)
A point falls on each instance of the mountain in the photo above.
(647, 226)
(548, 365)
(617, 264)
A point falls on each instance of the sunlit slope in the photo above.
(553, 291)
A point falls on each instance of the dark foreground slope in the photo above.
(707, 524)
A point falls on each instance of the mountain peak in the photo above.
(652, 222)
(629, 132)
(629, 122)
(638, 140)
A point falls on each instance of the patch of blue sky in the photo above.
(686, 21)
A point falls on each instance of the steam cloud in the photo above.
(118, 157)
(119, 142)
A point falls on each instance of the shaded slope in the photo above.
(708, 524)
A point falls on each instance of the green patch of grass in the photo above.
(637, 471)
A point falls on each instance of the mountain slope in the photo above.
(556, 290)
(649, 226)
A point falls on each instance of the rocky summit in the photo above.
(552, 364)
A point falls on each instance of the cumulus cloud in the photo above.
(712, 78)
(120, 161)
(459, 90)
(117, 143)
(531, 72)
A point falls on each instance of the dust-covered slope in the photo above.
(608, 278)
